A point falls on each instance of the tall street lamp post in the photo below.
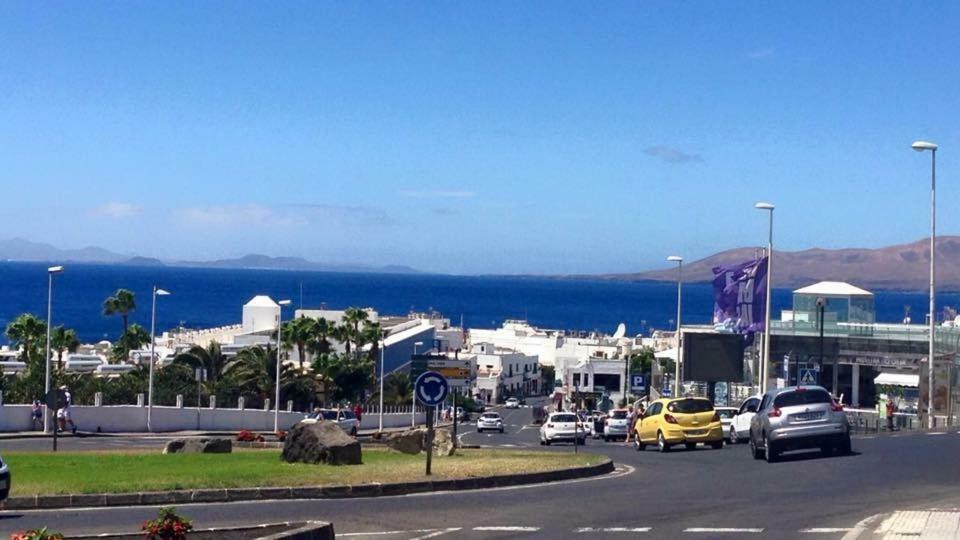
(276, 383)
(764, 369)
(153, 353)
(676, 376)
(413, 391)
(52, 271)
(921, 146)
(383, 345)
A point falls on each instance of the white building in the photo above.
(503, 373)
(260, 313)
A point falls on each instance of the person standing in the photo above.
(890, 410)
(358, 411)
(63, 415)
(631, 422)
(37, 415)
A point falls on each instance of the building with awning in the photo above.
(909, 380)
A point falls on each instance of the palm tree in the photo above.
(326, 366)
(29, 333)
(121, 303)
(344, 334)
(210, 358)
(63, 340)
(397, 389)
(254, 370)
(298, 333)
(354, 316)
(320, 343)
(132, 339)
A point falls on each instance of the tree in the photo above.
(397, 389)
(28, 332)
(254, 372)
(326, 366)
(210, 358)
(320, 343)
(121, 303)
(132, 339)
(297, 333)
(63, 340)
(353, 317)
(344, 334)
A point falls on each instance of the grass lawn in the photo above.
(116, 472)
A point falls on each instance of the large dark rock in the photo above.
(321, 442)
(408, 442)
(198, 446)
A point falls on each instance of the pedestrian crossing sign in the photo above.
(807, 376)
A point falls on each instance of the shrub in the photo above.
(281, 435)
(249, 436)
(37, 534)
(167, 526)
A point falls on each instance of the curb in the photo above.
(152, 498)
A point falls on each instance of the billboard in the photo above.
(711, 357)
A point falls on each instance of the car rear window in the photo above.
(328, 415)
(618, 415)
(804, 397)
(688, 406)
(726, 413)
(491, 415)
(348, 415)
(564, 418)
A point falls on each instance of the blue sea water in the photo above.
(205, 297)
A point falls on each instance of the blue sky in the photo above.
(489, 137)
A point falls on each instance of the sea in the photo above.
(208, 297)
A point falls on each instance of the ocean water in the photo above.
(204, 297)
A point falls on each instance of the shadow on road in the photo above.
(801, 455)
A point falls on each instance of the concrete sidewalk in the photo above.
(936, 524)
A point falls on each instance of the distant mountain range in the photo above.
(904, 267)
(18, 249)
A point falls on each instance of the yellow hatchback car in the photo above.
(686, 421)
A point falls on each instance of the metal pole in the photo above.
(153, 341)
(455, 392)
(933, 315)
(46, 386)
(676, 378)
(766, 323)
(276, 384)
(382, 346)
(822, 304)
(413, 393)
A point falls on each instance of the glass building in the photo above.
(845, 303)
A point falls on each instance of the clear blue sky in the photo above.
(475, 137)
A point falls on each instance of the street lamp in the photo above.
(676, 377)
(153, 355)
(276, 384)
(921, 146)
(764, 375)
(53, 270)
(413, 393)
(383, 345)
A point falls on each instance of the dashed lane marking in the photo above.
(723, 530)
(385, 533)
(825, 530)
(496, 528)
(936, 433)
(613, 529)
(437, 533)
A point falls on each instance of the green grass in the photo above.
(118, 472)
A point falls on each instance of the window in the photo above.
(563, 418)
(689, 406)
(618, 415)
(764, 403)
(654, 409)
(746, 405)
(807, 397)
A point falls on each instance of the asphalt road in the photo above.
(702, 493)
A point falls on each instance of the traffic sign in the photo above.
(637, 382)
(808, 376)
(431, 388)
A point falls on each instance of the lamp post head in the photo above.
(161, 292)
(675, 258)
(764, 206)
(920, 146)
(55, 270)
(284, 303)
(419, 343)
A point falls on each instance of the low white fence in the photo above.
(133, 419)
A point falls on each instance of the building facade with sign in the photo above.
(503, 373)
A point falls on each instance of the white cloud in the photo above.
(438, 194)
(233, 215)
(760, 54)
(672, 155)
(117, 210)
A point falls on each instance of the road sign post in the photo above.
(431, 390)
(55, 399)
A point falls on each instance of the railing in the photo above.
(946, 338)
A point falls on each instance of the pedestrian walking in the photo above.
(63, 415)
(631, 421)
(890, 409)
(37, 415)
(358, 411)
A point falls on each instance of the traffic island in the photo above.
(94, 479)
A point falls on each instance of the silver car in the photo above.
(795, 418)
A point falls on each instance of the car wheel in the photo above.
(546, 442)
(845, 448)
(770, 452)
(662, 445)
(757, 453)
(479, 430)
(501, 430)
(691, 445)
(639, 446)
(353, 432)
(717, 445)
(733, 435)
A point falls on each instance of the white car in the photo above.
(739, 428)
(615, 425)
(347, 420)
(512, 403)
(4, 480)
(726, 415)
(563, 426)
(490, 421)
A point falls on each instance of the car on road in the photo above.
(595, 424)
(563, 426)
(512, 403)
(346, 419)
(490, 421)
(726, 419)
(795, 418)
(739, 428)
(4, 479)
(615, 425)
(671, 421)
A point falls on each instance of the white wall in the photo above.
(131, 418)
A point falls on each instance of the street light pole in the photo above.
(153, 355)
(676, 377)
(921, 146)
(276, 384)
(46, 386)
(764, 371)
(413, 391)
(383, 343)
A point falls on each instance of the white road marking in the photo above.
(936, 433)
(613, 529)
(438, 533)
(825, 530)
(722, 530)
(861, 527)
(385, 533)
(507, 529)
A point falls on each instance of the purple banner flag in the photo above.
(739, 293)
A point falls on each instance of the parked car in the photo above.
(739, 428)
(795, 418)
(726, 419)
(563, 426)
(672, 421)
(512, 403)
(490, 421)
(346, 419)
(4, 479)
(615, 425)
